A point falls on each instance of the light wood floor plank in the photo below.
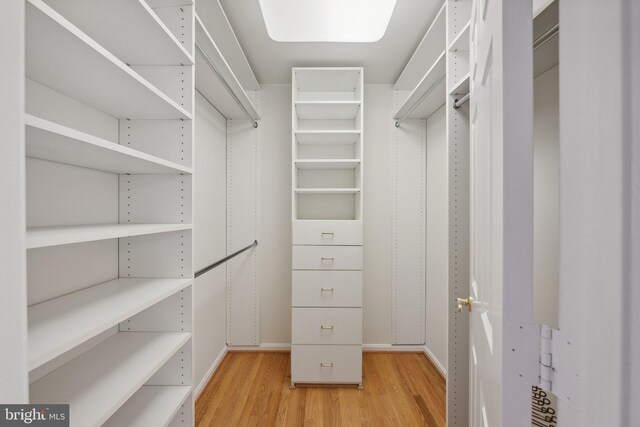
(252, 389)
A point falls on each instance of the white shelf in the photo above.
(462, 40)
(65, 59)
(461, 88)
(327, 164)
(429, 49)
(99, 381)
(51, 141)
(327, 136)
(150, 406)
(54, 236)
(425, 98)
(129, 29)
(332, 79)
(327, 190)
(327, 110)
(210, 85)
(58, 325)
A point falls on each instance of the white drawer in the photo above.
(326, 326)
(311, 288)
(327, 257)
(327, 232)
(337, 364)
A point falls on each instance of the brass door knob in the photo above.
(464, 301)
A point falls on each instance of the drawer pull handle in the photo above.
(327, 234)
(326, 364)
(328, 259)
(326, 327)
(326, 289)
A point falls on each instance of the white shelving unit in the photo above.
(327, 148)
(108, 144)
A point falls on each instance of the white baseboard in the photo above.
(435, 361)
(210, 372)
(390, 348)
(365, 347)
(262, 347)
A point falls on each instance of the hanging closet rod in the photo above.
(551, 33)
(226, 85)
(225, 259)
(431, 88)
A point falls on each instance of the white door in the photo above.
(502, 340)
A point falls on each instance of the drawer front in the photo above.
(327, 257)
(327, 288)
(337, 364)
(327, 232)
(326, 326)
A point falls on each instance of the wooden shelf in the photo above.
(65, 59)
(461, 88)
(327, 164)
(429, 49)
(327, 110)
(425, 100)
(60, 324)
(210, 85)
(327, 190)
(53, 236)
(51, 141)
(99, 381)
(332, 79)
(150, 406)
(129, 29)
(462, 40)
(327, 136)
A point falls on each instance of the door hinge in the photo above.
(558, 368)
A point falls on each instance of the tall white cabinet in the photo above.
(108, 144)
(327, 147)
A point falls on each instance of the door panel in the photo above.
(502, 348)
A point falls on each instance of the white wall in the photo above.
(437, 234)
(209, 237)
(546, 215)
(274, 261)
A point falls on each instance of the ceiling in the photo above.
(383, 60)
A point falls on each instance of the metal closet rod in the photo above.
(225, 259)
(431, 88)
(548, 35)
(226, 85)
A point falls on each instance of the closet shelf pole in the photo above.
(226, 85)
(431, 88)
(225, 259)
(460, 102)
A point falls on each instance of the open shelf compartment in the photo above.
(129, 29)
(54, 142)
(327, 84)
(58, 325)
(65, 59)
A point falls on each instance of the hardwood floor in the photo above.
(252, 389)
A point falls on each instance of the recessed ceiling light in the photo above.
(362, 21)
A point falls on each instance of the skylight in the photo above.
(361, 21)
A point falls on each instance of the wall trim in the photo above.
(286, 347)
(392, 348)
(212, 370)
(432, 357)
